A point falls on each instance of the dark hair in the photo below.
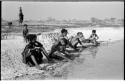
(93, 31)
(10, 23)
(64, 30)
(31, 37)
(25, 25)
(79, 33)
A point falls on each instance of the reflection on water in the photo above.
(78, 61)
(93, 51)
(93, 62)
(103, 62)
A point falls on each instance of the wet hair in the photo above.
(64, 30)
(31, 37)
(93, 31)
(25, 25)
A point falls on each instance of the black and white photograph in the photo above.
(62, 40)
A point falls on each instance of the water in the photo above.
(102, 63)
(105, 33)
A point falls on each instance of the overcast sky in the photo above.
(62, 10)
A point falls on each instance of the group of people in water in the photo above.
(34, 50)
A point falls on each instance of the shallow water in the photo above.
(104, 62)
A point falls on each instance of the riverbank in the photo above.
(104, 62)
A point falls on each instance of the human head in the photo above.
(20, 9)
(31, 37)
(9, 23)
(64, 32)
(80, 34)
(63, 41)
(93, 31)
(25, 25)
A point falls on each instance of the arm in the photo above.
(97, 37)
(56, 41)
(70, 39)
(64, 51)
(45, 53)
(26, 53)
(79, 41)
(63, 55)
(40, 46)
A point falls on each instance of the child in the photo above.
(25, 32)
(59, 51)
(64, 33)
(78, 39)
(93, 37)
(33, 52)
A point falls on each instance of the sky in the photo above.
(62, 10)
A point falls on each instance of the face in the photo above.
(81, 35)
(62, 42)
(93, 32)
(34, 40)
(64, 34)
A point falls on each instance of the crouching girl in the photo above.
(33, 52)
